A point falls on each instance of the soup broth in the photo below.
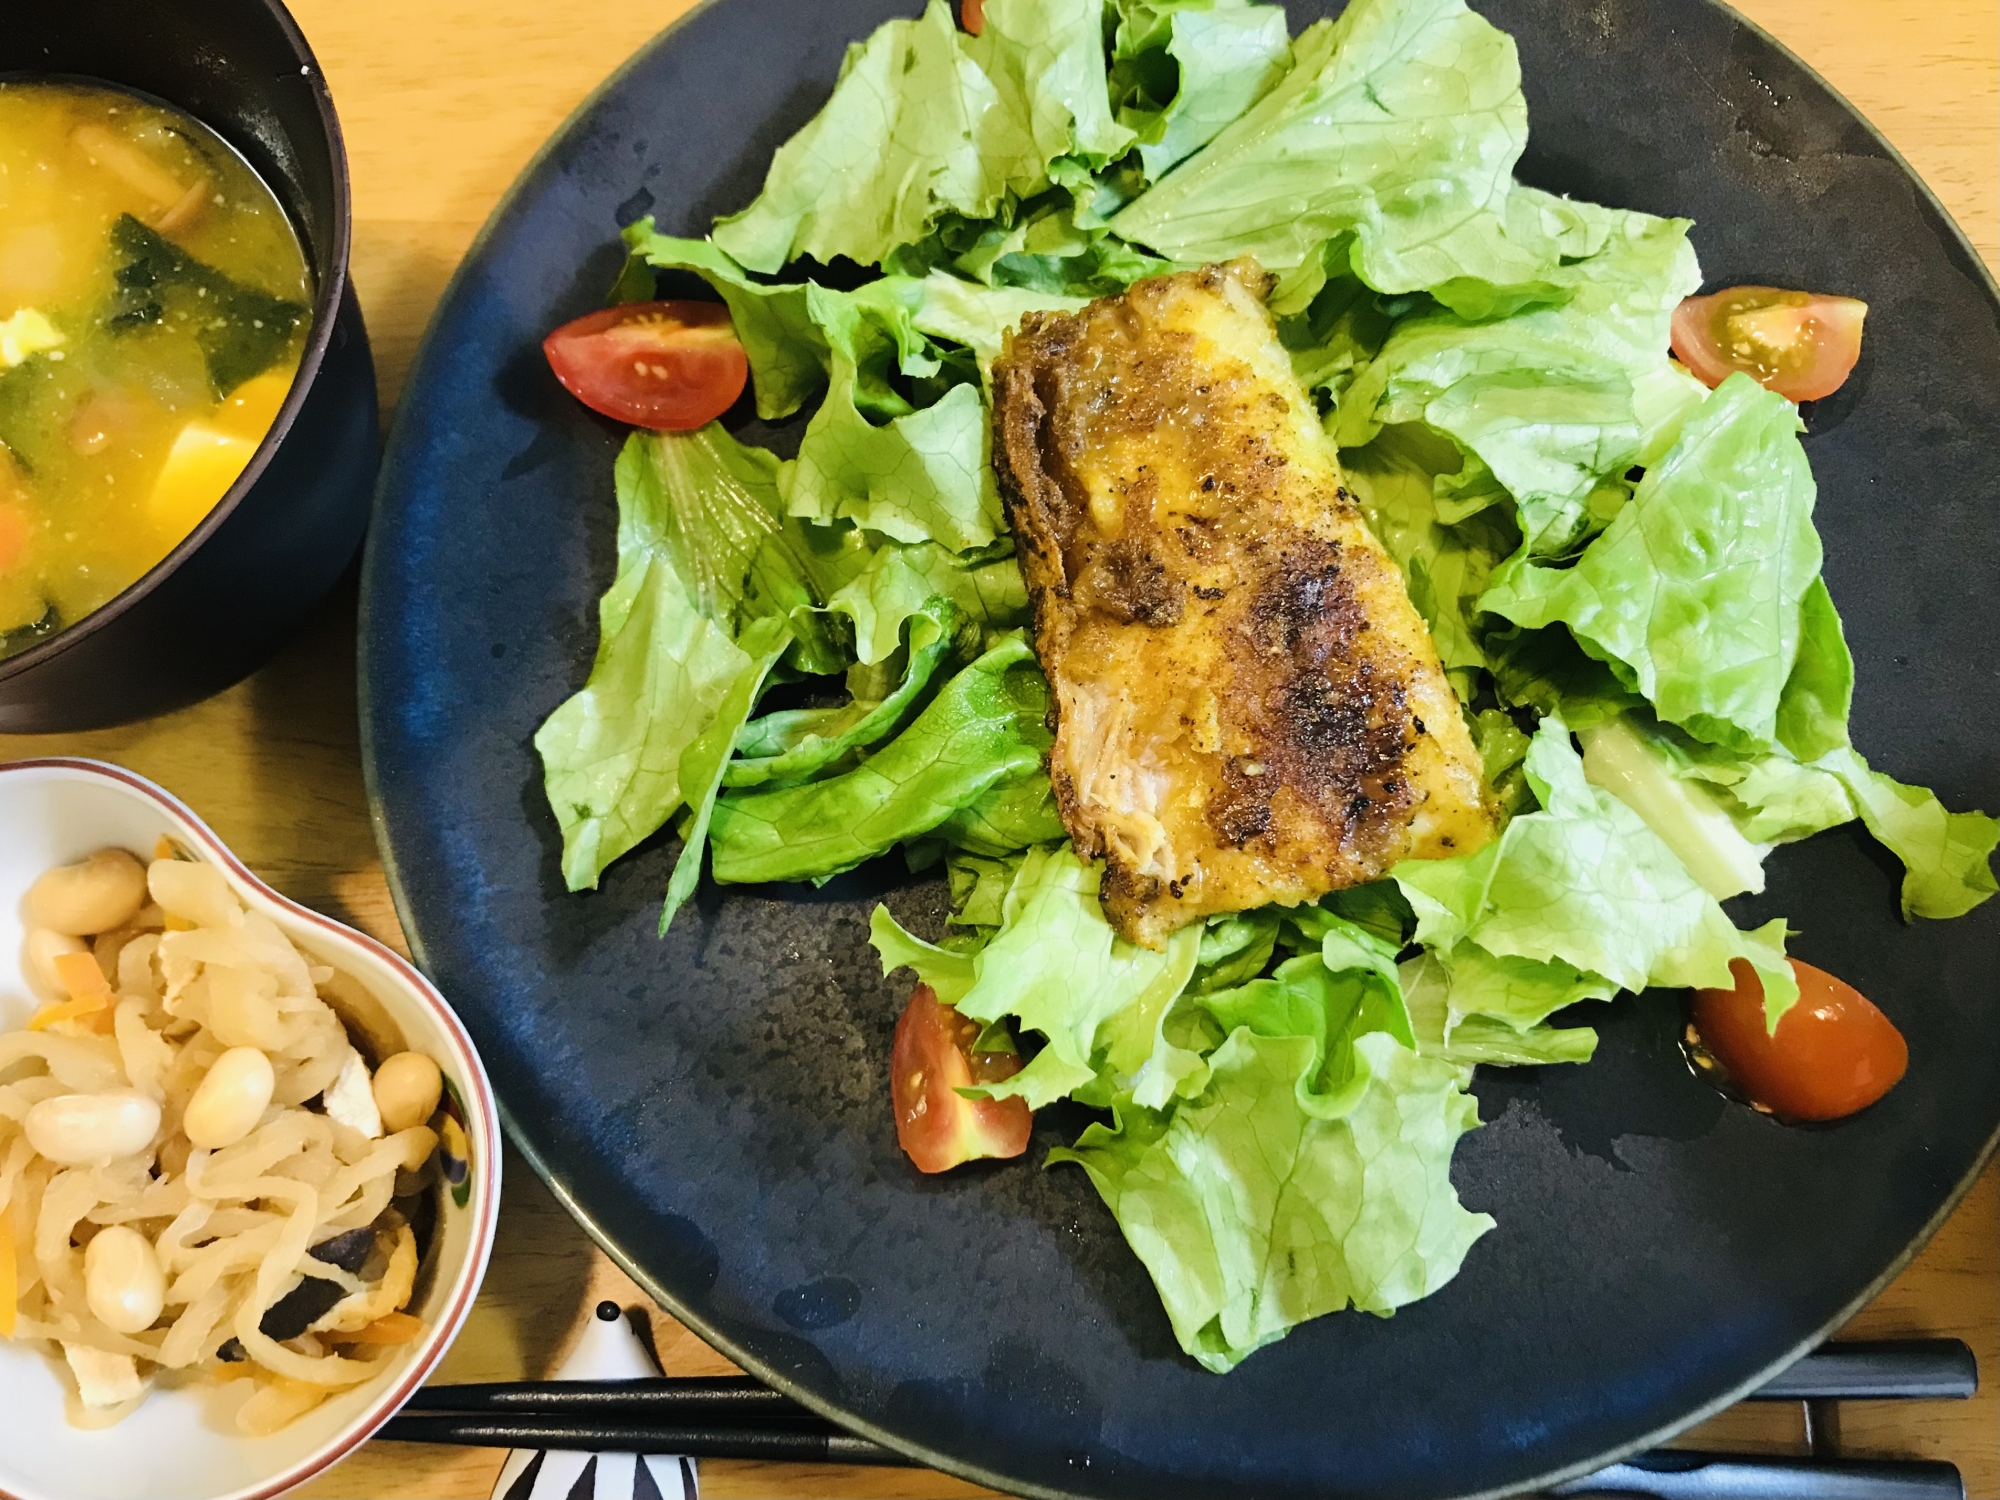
(153, 309)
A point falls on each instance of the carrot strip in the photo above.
(390, 1328)
(81, 976)
(69, 1010)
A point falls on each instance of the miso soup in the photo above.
(153, 309)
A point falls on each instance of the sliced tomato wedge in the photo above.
(670, 366)
(972, 15)
(1833, 1053)
(1799, 344)
(931, 1059)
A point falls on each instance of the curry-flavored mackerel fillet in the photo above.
(1248, 708)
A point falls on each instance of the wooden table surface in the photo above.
(443, 103)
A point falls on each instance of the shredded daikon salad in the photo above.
(201, 1179)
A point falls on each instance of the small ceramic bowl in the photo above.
(221, 602)
(182, 1444)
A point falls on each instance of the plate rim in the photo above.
(552, 1178)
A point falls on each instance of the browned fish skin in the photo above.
(1247, 707)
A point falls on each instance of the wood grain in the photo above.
(443, 104)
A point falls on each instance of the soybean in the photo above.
(408, 1087)
(88, 1130)
(93, 895)
(123, 1280)
(41, 950)
(231, 1100)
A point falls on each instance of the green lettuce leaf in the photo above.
(1046, 60)
(897, 580)
(927, 122)
(703, 552)
(1468, 1006)
(804, 742)
(1398, 125)
(984, 727)
(1585, 882)
(1693, 593)
(900, 142)
(707, 756)
(1947, 856)
(1181, 70)
(1253, 1215)
(1053, 965)
(979, 317)
(1395, 479)
(1555, 400)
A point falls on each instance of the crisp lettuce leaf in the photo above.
(926, 476)
(1947, 856)
(897, 580)
(1253, 1215)
(984, 728)
(1053, 965)
(707, 756)
(1046, 60)
(704, 552)
(1395, 478)
(902, 140)
(611, 755)
(1693, 593)
(1468, 1007)
(1009, 817)
(1586, 883)
(979, 317)
(1398, 125)
(1555, 400)
(798, 744)
(1182, 70)
(927, 122)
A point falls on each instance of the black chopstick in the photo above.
(809, 1441)
(731, 1399)
(738, 1417)
(1884, 1369)
(1680, 1474)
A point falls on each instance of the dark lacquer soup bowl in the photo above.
(221, 601)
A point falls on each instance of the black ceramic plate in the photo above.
(715, 1106)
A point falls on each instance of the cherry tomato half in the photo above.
(930, 1060)
(972, 15)
(670, 366)
(1800, 345)
(1832, 1054)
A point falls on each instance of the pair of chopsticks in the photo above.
(741, 1418)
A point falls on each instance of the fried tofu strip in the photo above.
(1248, 708)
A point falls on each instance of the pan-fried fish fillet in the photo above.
(1248, 708)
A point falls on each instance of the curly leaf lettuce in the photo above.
(1182, 70)
(1398, 125)
(1693, 593)
(1585, 882)
(1555, 400)
(926, 121)
(1054, 966)
(1253, 1215)
(704, 555)
(984, 728)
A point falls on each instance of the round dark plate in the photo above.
(714, 1106)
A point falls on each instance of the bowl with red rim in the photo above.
(182, 1442)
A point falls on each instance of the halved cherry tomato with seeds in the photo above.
(1832, 1054)
(1801, 345)
(931, 1059)
(669, 366)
